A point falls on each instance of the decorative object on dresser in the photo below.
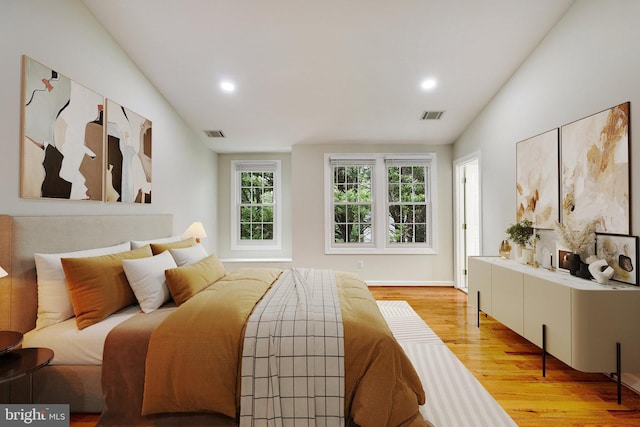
(578, 241)
(601, 271)
(523, 234)
(505, 249)
(621, 253)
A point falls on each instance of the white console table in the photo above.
(589, 326)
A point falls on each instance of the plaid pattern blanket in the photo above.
(293, 354)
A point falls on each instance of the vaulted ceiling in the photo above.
(330, 71)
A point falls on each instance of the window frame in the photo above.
(237, 167)
(380, 203)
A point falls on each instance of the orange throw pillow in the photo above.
(158, 248)
(186, 281)
(98, 286)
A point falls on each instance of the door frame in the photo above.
(459, 218)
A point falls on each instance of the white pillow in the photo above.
(146, 278)
(54, 303)
(190, 255)
(135, 244)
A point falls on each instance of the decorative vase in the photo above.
(527, 256)
(574, 264)
(518, 253)
(546, 258)
(584, 272)
(505, 249)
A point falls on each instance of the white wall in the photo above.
(63, 35)
(589, 62)
(308, 220)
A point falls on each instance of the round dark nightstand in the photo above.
(9, 340)
(15, 364)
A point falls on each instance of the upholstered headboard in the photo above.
(22, 236)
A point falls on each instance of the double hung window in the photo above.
(255, 211)
(380, 203)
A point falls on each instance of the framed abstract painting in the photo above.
(595, 171)
(128, 156)
(62, 138)
(621, 253)
(537, 179)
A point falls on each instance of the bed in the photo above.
(23, 236)
(380, 383)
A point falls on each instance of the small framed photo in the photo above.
(621, 253)
(564, 258)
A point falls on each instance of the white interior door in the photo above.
(468, 233)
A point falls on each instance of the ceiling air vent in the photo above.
(431, 115)
(214, 133)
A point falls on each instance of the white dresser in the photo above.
(589, 326)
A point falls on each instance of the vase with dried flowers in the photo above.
(577, 241)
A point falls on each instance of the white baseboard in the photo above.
(632, 381)
(256, 260)
(407, 283)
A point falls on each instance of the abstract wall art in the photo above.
(537, 179)
(62, 136)
(621, 253)
(76, 145)
(595, 171)
(128, 158)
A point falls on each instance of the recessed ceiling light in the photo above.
(428, 84)
(227, 86)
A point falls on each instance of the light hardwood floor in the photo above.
(509, 367)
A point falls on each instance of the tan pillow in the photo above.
(158, 248)
(186, 281)
(98, 286)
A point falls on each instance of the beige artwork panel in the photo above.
(595, 171)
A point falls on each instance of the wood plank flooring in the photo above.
(509, 367)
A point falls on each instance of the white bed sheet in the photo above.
(77, 347)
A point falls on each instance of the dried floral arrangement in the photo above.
(578, 241)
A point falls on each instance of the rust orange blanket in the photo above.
(193, 359)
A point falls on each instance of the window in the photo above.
(256, 204)
(352, 203)
(380, 203)
(407, 200)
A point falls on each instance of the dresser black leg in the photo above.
(478, 313)
(619, 372)
(544, 350)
